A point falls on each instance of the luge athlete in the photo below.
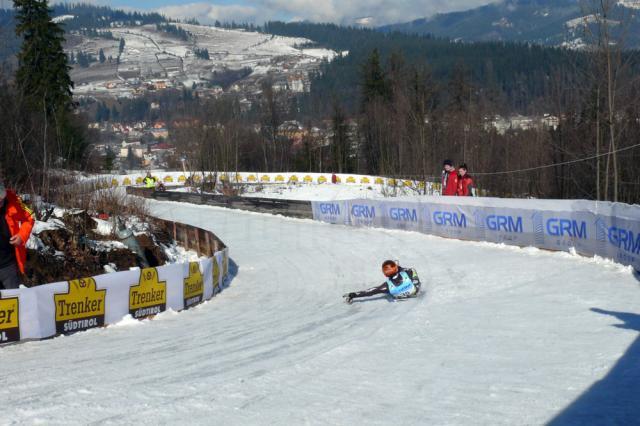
(401, 283)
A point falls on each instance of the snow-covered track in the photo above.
(502, 336)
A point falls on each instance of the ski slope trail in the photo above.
(501, 336)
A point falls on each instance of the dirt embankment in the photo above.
(76, 247)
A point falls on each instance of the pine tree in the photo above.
(340, 150)
(459, 88)
(374, 80)
(82, 59)
(43, 73)
(109, 160)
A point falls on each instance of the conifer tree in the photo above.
(43, 72)
(374, 83)
(340, 149)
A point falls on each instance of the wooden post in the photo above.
(175, 232)
(199, 250)
(208, 242)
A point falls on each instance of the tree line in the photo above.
(41, 132)
(399, 117)
(395, 105)
(414, 101)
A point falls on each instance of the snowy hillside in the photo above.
(631, 4)
(546, 22)
(157, 57)
(502, 336)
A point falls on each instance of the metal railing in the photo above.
(289, 208)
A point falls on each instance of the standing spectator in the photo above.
(449, 178)
(466, 187)
(150, 181)
(16, 222)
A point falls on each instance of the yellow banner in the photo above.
(81, 308)
(9, 320)
(149, 297)
(193, 286)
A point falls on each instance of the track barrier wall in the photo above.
(289, 208)
(70, 306)
(609, 230)
(181, 178)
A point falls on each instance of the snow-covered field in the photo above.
(317, 192)
(501, 336)
(149, 52)
(324, 192)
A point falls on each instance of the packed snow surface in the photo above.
(500, 336)
(327, 192)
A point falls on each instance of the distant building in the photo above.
(296, 83)
(184, 123)
(280, 86)
(135, 147)
(550, 121)
(521, 122)
(161, 133)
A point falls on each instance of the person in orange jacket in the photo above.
(466, 187)
(16, 223)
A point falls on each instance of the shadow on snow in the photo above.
(614, 400)
(233, 272)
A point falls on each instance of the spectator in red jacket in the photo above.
(466, 187)
(449, 178)
(16, 222)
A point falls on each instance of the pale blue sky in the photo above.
(258, 11)
(152, 4)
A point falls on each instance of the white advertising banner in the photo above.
(67, 307)
(609, 230)
(335, 212)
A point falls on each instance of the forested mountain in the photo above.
(79, 16)
(419, 99)
(547, 22)
(74, 17)
(520, 72)
(396, 104)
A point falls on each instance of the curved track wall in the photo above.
(610, 230)
(67, 307)
(180, 178)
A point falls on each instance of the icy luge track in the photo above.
(504, 336)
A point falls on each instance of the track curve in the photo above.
(503, 336)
